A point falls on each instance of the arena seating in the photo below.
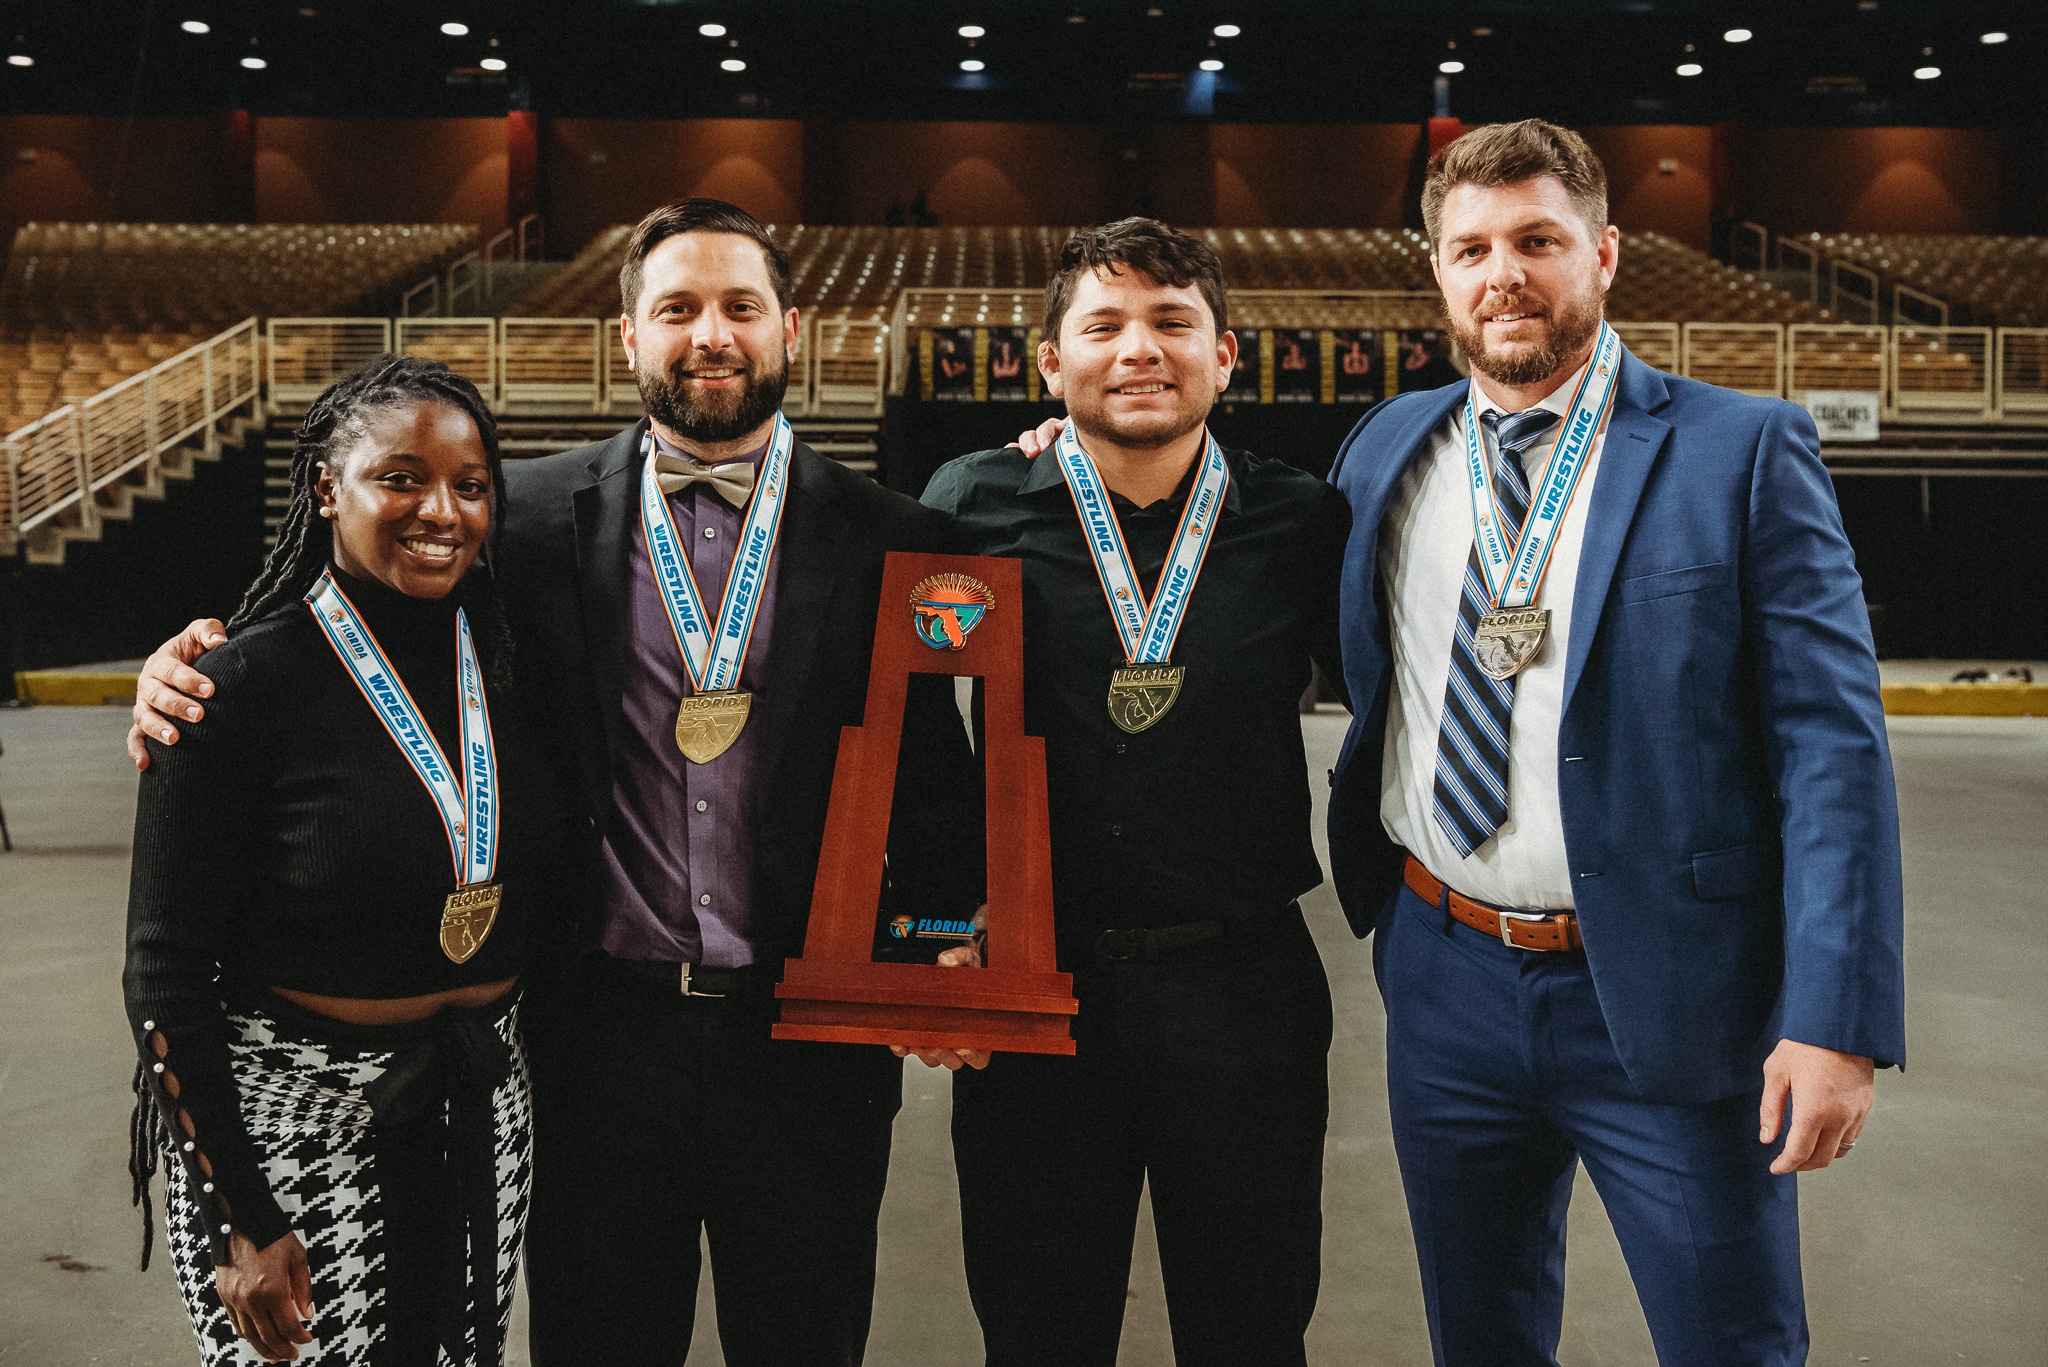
(858, 271)
(86, 305)
(93, 276)
(46, 369)
(1997, 281)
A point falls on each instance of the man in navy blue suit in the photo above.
(1617, 798)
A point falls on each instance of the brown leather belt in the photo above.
(1550, 933)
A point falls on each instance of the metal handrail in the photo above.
(1750, 232)
(1937, 309)
(431, 288)
(464, 273)
(491, 255)
(54, 466)
(531, 233)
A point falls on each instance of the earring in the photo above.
(326, 511)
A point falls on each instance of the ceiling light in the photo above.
(1690, 68)
(974, 64)
(1226, 30)
(196, 26)
(732, 64)
(1077, 18)
(1926, 73)
(1737, 35)
(1482, 32)
(455, 30)
(20, 59)
(1992, 38)
(973, 31)
(254, 64)
(711, 30)
(1212, 65)
(1450, 68)
(492, 64)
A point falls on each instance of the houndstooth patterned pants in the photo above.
(302, 1104)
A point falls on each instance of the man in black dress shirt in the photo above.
(1179, 848)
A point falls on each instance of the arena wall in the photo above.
(381, 171)
(598, 172)
(591, 173)
(1898, 180)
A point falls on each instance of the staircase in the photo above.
(44, 544)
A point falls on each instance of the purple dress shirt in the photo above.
(677, 883)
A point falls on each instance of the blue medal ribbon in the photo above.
(714, 652)
(1148, 626)
(1514, 577)
(467, 798)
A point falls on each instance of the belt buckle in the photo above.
(1506, 920)
(689, 991)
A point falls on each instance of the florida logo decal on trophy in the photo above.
(947, 607)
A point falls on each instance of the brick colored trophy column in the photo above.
(953, 615)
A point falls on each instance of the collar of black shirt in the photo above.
(1045, 474)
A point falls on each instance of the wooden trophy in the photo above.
(954, 615)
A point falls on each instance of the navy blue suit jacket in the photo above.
(1729, 814)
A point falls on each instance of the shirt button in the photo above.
(702, 805)
(1121, 747)
(705, 900)
(1116, 830)
(711, 533)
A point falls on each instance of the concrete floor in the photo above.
(1930, 1246)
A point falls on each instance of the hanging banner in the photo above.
(1297, 365)
(1009, 363)
(953, 371)
(1352, 358)
(1423, 360)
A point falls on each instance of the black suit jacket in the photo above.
(562, 562)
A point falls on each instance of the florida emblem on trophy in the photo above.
(955, 615)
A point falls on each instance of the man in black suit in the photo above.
(701, 779)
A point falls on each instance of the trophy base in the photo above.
(925, 1005)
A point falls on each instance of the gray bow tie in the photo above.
(733, 481)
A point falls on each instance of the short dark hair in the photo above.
(699, 216)
(1146, 245)
(1507, 154)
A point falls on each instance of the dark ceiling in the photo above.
(1594, 61)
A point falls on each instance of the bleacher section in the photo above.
(99, 276)
(1323, 316)
(87, 305)
(860, 270)
(48, 369)
(1995, 281)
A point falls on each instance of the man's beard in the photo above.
(1573, 323)
(712, 415)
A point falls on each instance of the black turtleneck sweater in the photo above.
(284, 841)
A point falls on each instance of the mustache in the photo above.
(1504, 303)
(711, 360)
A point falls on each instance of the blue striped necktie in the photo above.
(1471, 796)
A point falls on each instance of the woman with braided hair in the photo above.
(337, 877)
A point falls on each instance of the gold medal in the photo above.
(708, 723)
(467, 917)
(1503, 643)
(1140, 695)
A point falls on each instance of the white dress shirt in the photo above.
(1424, 544)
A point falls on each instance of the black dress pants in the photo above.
(1207, 1073)
(659, 1115)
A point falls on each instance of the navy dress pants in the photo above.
(1502, 1078)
